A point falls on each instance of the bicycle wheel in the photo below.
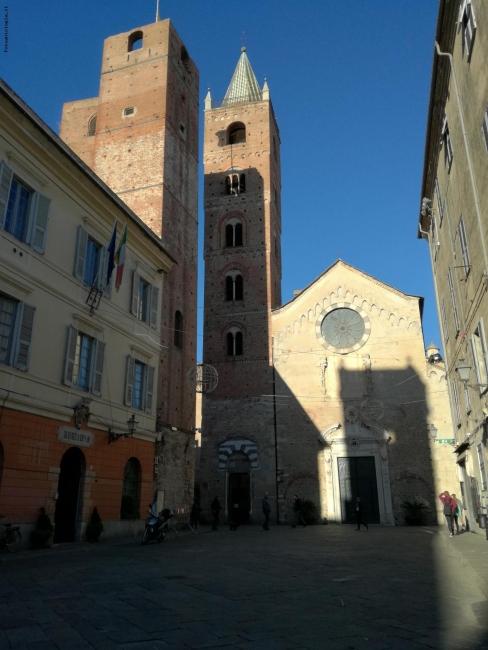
(14, 540)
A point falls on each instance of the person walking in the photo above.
(266, 511)
(298, 517)
(458, 512)
(448, 507)
(215, 507)
(195, 515)
(359, 514)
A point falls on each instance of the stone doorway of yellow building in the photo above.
(68, 505)
(238, 488)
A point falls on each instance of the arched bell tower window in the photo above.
(135, 41)
(92, 125)
(235, 184)
(178, 338)
(236, 133)
(234, 286)
(234, 342)
(233, 233)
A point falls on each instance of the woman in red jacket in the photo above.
(449, 506)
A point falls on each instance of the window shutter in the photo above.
(153, 310)
(98, 357)
(129, 381)
(135, 294)
(23, 347)
(81, 252)
(5, 180)
(39, 223)
(149, 389)
(484, 128)
(70, 356)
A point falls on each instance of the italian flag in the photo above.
(120, 258)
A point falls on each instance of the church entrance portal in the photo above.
(357, 477)
(68, 504)
(238, 488)
(239, 498)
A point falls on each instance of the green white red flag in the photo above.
(120, 258)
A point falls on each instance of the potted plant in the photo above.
(94, 527)
(415, 511)
(42, 535)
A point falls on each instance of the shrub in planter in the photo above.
(309, 510)
(129, 508)
(415, 511)
(43, 531)
(94, 527)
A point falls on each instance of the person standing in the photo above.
(458, 512)
(448, 507)
(359, 514)
(215, 508)
(266, 511)
(298, 517)
(194, 515)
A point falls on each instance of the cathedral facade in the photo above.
(329, 396)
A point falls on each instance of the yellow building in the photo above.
(454, 200)
(80, 360)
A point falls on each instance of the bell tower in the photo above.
(242, 272)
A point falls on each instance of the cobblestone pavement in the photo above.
(324, 587)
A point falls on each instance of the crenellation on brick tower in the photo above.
(141, 137)
(242, 252)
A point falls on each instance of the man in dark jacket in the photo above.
(359, 514)
(266, 511)
(298, 512)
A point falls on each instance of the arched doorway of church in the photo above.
(68, 505)
(357, 477)
(239, 487)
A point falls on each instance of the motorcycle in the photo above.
(156, 525)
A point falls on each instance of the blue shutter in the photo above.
(98, 361)
(153, 309)
(150, 370)
(129, 381)
(81, 253)
(23, 344)
(69, 363)
(5, 180)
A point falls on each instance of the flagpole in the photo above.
(157, 11)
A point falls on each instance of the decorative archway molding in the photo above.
(238, 443)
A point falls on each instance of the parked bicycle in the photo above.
(12, 540)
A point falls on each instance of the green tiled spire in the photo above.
(243, 86)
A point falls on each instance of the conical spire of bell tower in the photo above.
(243, 86)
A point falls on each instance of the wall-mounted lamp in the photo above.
(426, 209)
(131, 426)
(464, 370)
(433, 431)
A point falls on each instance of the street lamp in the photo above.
(131, 426)
(433, 431)
(463, 370)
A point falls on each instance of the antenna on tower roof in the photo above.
(158, 18)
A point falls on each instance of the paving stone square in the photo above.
(322, 587)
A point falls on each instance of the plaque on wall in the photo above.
(78, 437)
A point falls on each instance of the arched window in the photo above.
(92, 125)
(234, 343)
(185, 59)
(234, 286)
(236, 133)
(235, 184)
(131, 490)
(178, 337)
(233, 234)
(135, 41)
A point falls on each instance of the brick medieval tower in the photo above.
(242, 285)
(140, 135)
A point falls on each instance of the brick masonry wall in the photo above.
(150, 159)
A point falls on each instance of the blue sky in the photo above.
(349, 83)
